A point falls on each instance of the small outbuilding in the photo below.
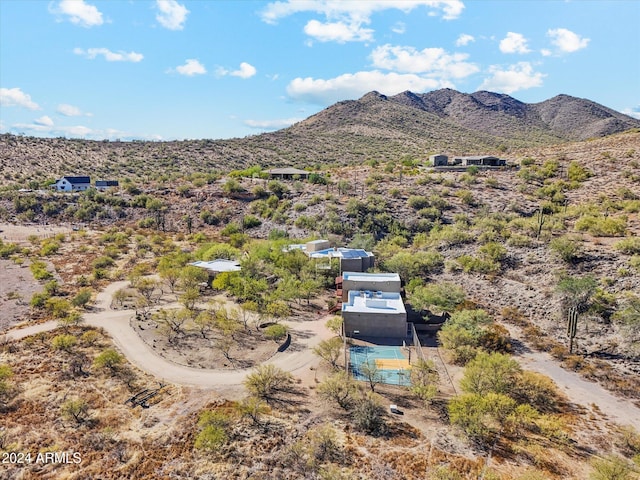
(439, 160)
(288, 173)
(103, 185)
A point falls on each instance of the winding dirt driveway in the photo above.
(308, 334)
(116, 324)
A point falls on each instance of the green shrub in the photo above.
(578, 173)
(567, 248)
(629, 246)
(601, 226)
(275, 332)
(39, 270)
(63, 342)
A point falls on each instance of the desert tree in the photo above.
(253, 408)
(109, 360)
(75, 409)
(268, 381)
(438, 296)
(329, 351)
(204, 322)
(372, 375)
(82, 298)
(368, 414)
(424, 380)
(339, 388)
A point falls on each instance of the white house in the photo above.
(374, 314)
(376, 282)
(73, 184)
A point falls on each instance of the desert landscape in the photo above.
(145, 366)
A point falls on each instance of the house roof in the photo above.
(341, 253)
(76, 180)
(374, 303)
(106, 183)
(219, 265)
(287, 171)
(477, 157)
(370, 277)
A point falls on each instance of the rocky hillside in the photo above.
(375, 127)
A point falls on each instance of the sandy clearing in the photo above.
(117, 324)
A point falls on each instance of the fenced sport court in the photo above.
(390, 364)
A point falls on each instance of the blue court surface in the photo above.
(391, 364)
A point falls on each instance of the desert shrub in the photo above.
(439, 296)
(109, 360)
(75, 409)
(49, 248)
(462, 334)
(82, 298)
(275, 332)
(602, 226)
(63, 342)
(471, 264)
(267, 381)
(339, 388)
(490, 372)
(39, 270)
(578, 173)
(213, 433)
(417, 202)
(566, 247)
(611, 467)
(8, 249)
(481, 416)
(368, 415)
(629, 246)
(250, 221)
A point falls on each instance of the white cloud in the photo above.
(632, 112)
(350, 86)
(546, 52)
(566, 41)
(44, 121)
(514, 43)
(399, 27)
(432, 61)
(520, 76)
(340, 32)
(109, 56)
(271, 124)
(246, 70)
(15, 97)
(70, 111)
(345, 19)
(171, 14)
(464, 39)
(78, 12)
(191, 67)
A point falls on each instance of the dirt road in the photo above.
(116, 323)
(298, 361)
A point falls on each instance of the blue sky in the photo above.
(174, 69)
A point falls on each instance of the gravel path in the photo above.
(298, 361)
(116, 324)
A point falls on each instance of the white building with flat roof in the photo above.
(374, 314)
(377, 282)
(218, 266)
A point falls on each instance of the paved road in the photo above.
(116, 323)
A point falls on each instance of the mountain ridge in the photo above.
(373, 127)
